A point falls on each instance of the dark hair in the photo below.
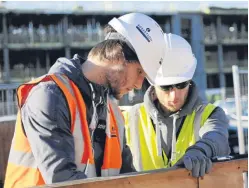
(113, 50)
(109, 29)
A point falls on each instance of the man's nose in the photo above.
(173, 93)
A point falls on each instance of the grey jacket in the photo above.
(46, 121)
(213, 134)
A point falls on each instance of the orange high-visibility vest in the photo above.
(22, 169)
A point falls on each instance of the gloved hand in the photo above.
(196, 161)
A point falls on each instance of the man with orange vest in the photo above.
(68, 126)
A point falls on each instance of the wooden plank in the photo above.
(226, 174)
(6, 135)
(176, 177)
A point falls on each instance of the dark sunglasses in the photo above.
(178, 86)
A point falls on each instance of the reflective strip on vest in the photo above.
(147, 154)
(110, 172)
(114, 140)
(132, 133)
(22, 158)
(119, 120)
(76, 130)
(82, 143)
(197, 122)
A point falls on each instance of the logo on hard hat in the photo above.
(144, 32)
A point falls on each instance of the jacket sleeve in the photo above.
(214, 134)
(46, 122)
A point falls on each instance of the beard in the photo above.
(115, 81)
(114, 92)
(114, 87)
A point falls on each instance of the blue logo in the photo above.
(144, 32)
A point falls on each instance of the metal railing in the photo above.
(240, 81)
(8, 102)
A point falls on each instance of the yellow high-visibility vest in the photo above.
(141, 137)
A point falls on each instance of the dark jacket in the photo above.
(46, 121)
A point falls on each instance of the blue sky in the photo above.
(124, 5)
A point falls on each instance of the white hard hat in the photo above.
(146, 38)
(179, 62)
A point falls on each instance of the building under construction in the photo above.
(31, 41)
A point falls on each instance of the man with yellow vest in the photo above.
(173, 125)
(68, 126)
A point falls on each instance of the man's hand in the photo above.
(196, 161)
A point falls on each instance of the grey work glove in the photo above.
(196, 161)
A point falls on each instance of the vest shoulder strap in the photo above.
(201, 116)
(24, 89)
(207, 112)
